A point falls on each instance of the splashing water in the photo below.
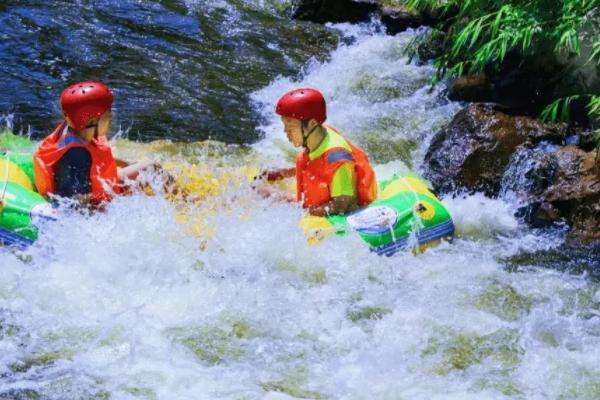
(127, 304)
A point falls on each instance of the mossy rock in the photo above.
(426, 46)
(580, 302)
(367, 313)
(101, 395)
(281, 7)
(217, 344)
(378, 89)
(40, 360)
(503, 301)
(312, 276)
(502, 384)
(583, 384)
(382, 149)
(20, 394)
(462, 350)
(142, 392)
(392, 3)
(291, 389)
(293, 385)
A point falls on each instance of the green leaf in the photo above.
(550, 112)
(569, 41)
(596, 52)
(498, 20)
(594, 106)
(476, 32)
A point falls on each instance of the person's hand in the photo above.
(275, 174)
(269, 192)
(170, 186)
(263, 191)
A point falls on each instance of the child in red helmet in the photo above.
(332, 175)
(76, 160)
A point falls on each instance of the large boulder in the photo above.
(322, 11)
(429, 44)
(526, 83)
(473, 88)
(473, 151)
(560, 185)
(399, 19)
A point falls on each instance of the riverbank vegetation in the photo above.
(480, 34)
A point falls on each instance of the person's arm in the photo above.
(337, 205)
(342, 191)
(133, 170)
(277, 174)
(272, 176)
(122, 163)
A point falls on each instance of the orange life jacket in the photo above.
(103, 172)
(314, 177)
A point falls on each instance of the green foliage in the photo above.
(595, 52)
(483, 31)
(559, 110)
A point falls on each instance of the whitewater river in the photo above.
(224, 299)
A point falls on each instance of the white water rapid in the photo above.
(127, 305)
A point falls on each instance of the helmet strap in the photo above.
(95, 126)
(306, 135)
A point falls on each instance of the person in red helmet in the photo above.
(332, 175)
(76, 160)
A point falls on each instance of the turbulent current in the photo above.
(224, 298)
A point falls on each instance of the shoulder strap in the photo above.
(338, 154)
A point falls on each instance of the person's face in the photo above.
(293, 130)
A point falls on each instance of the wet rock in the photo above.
(531, 171)
(399, 19)
(473, 88)
(20, 394)
(322, 11)
(429, 44)
(576, 192)
(587, 140)
(570, 257)
(473, 151)
(527, 83)
(558, 186)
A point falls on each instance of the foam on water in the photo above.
(372, 95)
(127, 304)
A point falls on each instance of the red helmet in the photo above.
(303, 104)
(85, 100)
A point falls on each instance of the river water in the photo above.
(137, 303)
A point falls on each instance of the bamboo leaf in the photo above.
(498, 20)
(550, 112)
(596, 52)
(476, 32)
(565, 113)
(594, 105)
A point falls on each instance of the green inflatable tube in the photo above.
(21, 208)
(405, 215)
